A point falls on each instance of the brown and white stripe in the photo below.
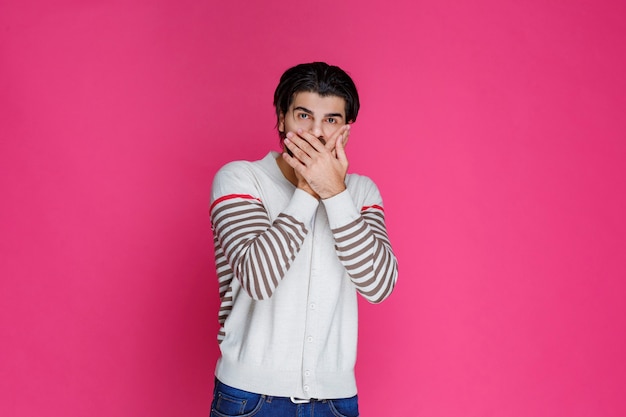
(363, 248)
(248, 246)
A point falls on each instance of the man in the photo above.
(296, 238)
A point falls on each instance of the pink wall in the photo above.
(494, 128)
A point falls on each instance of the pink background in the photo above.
(494, 128)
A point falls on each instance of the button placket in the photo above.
(312, 338)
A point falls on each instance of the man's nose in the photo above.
(317, 130)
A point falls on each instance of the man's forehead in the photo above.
(319, 104)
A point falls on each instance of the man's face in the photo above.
(321, 116)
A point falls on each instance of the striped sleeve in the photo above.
(363, 247)
(250, 247)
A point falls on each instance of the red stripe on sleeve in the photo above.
(231, 196)
(375, 206)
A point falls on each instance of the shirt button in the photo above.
(312, 306)
(306, 388)
(309, 339)
(307, 373)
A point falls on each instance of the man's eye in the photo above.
(303, 116)
(331, 120)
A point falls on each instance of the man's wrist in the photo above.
(333, 193)
(305, 187)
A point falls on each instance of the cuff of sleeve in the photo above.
(340, 209)
(302, 206)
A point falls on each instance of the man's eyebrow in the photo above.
(304, 109)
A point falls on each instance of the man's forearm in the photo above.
(258, 251)
(364, 249)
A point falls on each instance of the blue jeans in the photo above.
(232, 402)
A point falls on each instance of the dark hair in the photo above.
(320, 78)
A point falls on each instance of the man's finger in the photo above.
(343, 138)
(310, 139)
(298, 147)
(338, 136)
(305, 141)
(340, 151)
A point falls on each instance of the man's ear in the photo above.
(281, 122)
